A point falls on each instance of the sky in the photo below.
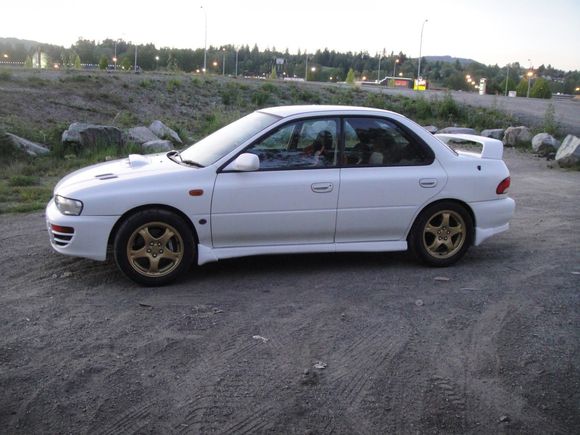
(531, 32)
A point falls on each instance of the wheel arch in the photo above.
(438, 201)
(135, 210)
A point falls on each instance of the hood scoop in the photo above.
(137, 161)
(106, 176)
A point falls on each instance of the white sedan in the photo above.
(291, 179)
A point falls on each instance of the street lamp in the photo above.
(530, 74)
(395, 67)
(237, 51)
(420, 50)
(379, 71)
(156, 63)
(224, 62)
(306, 69)
(205, 42)
(115, 62)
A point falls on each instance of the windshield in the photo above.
(225, 140)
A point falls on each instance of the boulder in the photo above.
(494, 133)
(544, 144)
(157, 146)
(164, 132)
(431, 129)
(517, 136)
(90, 135)
(140, 135)
(29, 147)
(568, 154)
(457, 130)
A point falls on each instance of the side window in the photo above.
(300, 144)
(378, 142)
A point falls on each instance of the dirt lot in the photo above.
(488, 346)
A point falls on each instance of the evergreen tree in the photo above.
(103, 62)
(541, 89)
(28, 62)
(350, 77)
(273, 74)
(522, 88)
(77, 62)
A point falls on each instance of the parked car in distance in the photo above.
(292, 179)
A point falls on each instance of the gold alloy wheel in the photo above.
(155, 249)
(444, 234)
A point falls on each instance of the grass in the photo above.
(194, 107)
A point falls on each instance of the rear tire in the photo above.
(441, 234)
(154, 247)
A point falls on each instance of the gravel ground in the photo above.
(490, 345)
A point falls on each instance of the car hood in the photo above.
(134, 166)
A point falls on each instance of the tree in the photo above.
(77, 62)
(350, 77)
(273, 75)
(541, 89)
(522, 88)
(103, 62)
(28, 62)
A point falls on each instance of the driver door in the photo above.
(291, 199)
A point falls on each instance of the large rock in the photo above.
(431, 129)
(457, 130)
(140, 135)
(29, 147)
(495, 133)
(90, 135)
(157, 146)
(517, 136)
(164, 132)
(544, 144)
(568, 154)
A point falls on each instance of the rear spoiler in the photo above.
(492, 148)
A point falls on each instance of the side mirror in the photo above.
(245, 162)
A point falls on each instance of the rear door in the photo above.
(388, 174)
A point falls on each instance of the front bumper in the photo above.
(89, 237)
(492, 217)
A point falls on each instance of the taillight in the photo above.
(503, 186)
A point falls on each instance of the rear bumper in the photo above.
(492, 217)
(89, 237)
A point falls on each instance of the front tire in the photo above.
(442, 234)
(154, 247)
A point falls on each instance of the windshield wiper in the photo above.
(175, 153)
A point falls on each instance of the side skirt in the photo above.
(205, 254)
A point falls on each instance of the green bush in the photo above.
(173, 84)
(541, 89)
(230, 94)
(5, 76)
(23, 180)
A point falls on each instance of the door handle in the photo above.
(322, 187)
(428, 182)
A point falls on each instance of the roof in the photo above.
(284, 111)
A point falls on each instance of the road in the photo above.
(491, 345)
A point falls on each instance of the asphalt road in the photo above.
(353, 343)
(529, 111)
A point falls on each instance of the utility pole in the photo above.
(420, 49)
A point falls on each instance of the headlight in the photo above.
(67, 206)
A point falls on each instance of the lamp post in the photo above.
(156, 63)
(306, 70)
(115, 62)
(420, 49)
(224, 62)
(205, 42)
(135, 57)
(115, 57)
(379, 71)
(530, 74)
(395, 67)
(507, 76)
(237, 51)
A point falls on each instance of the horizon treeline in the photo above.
(323, 65)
